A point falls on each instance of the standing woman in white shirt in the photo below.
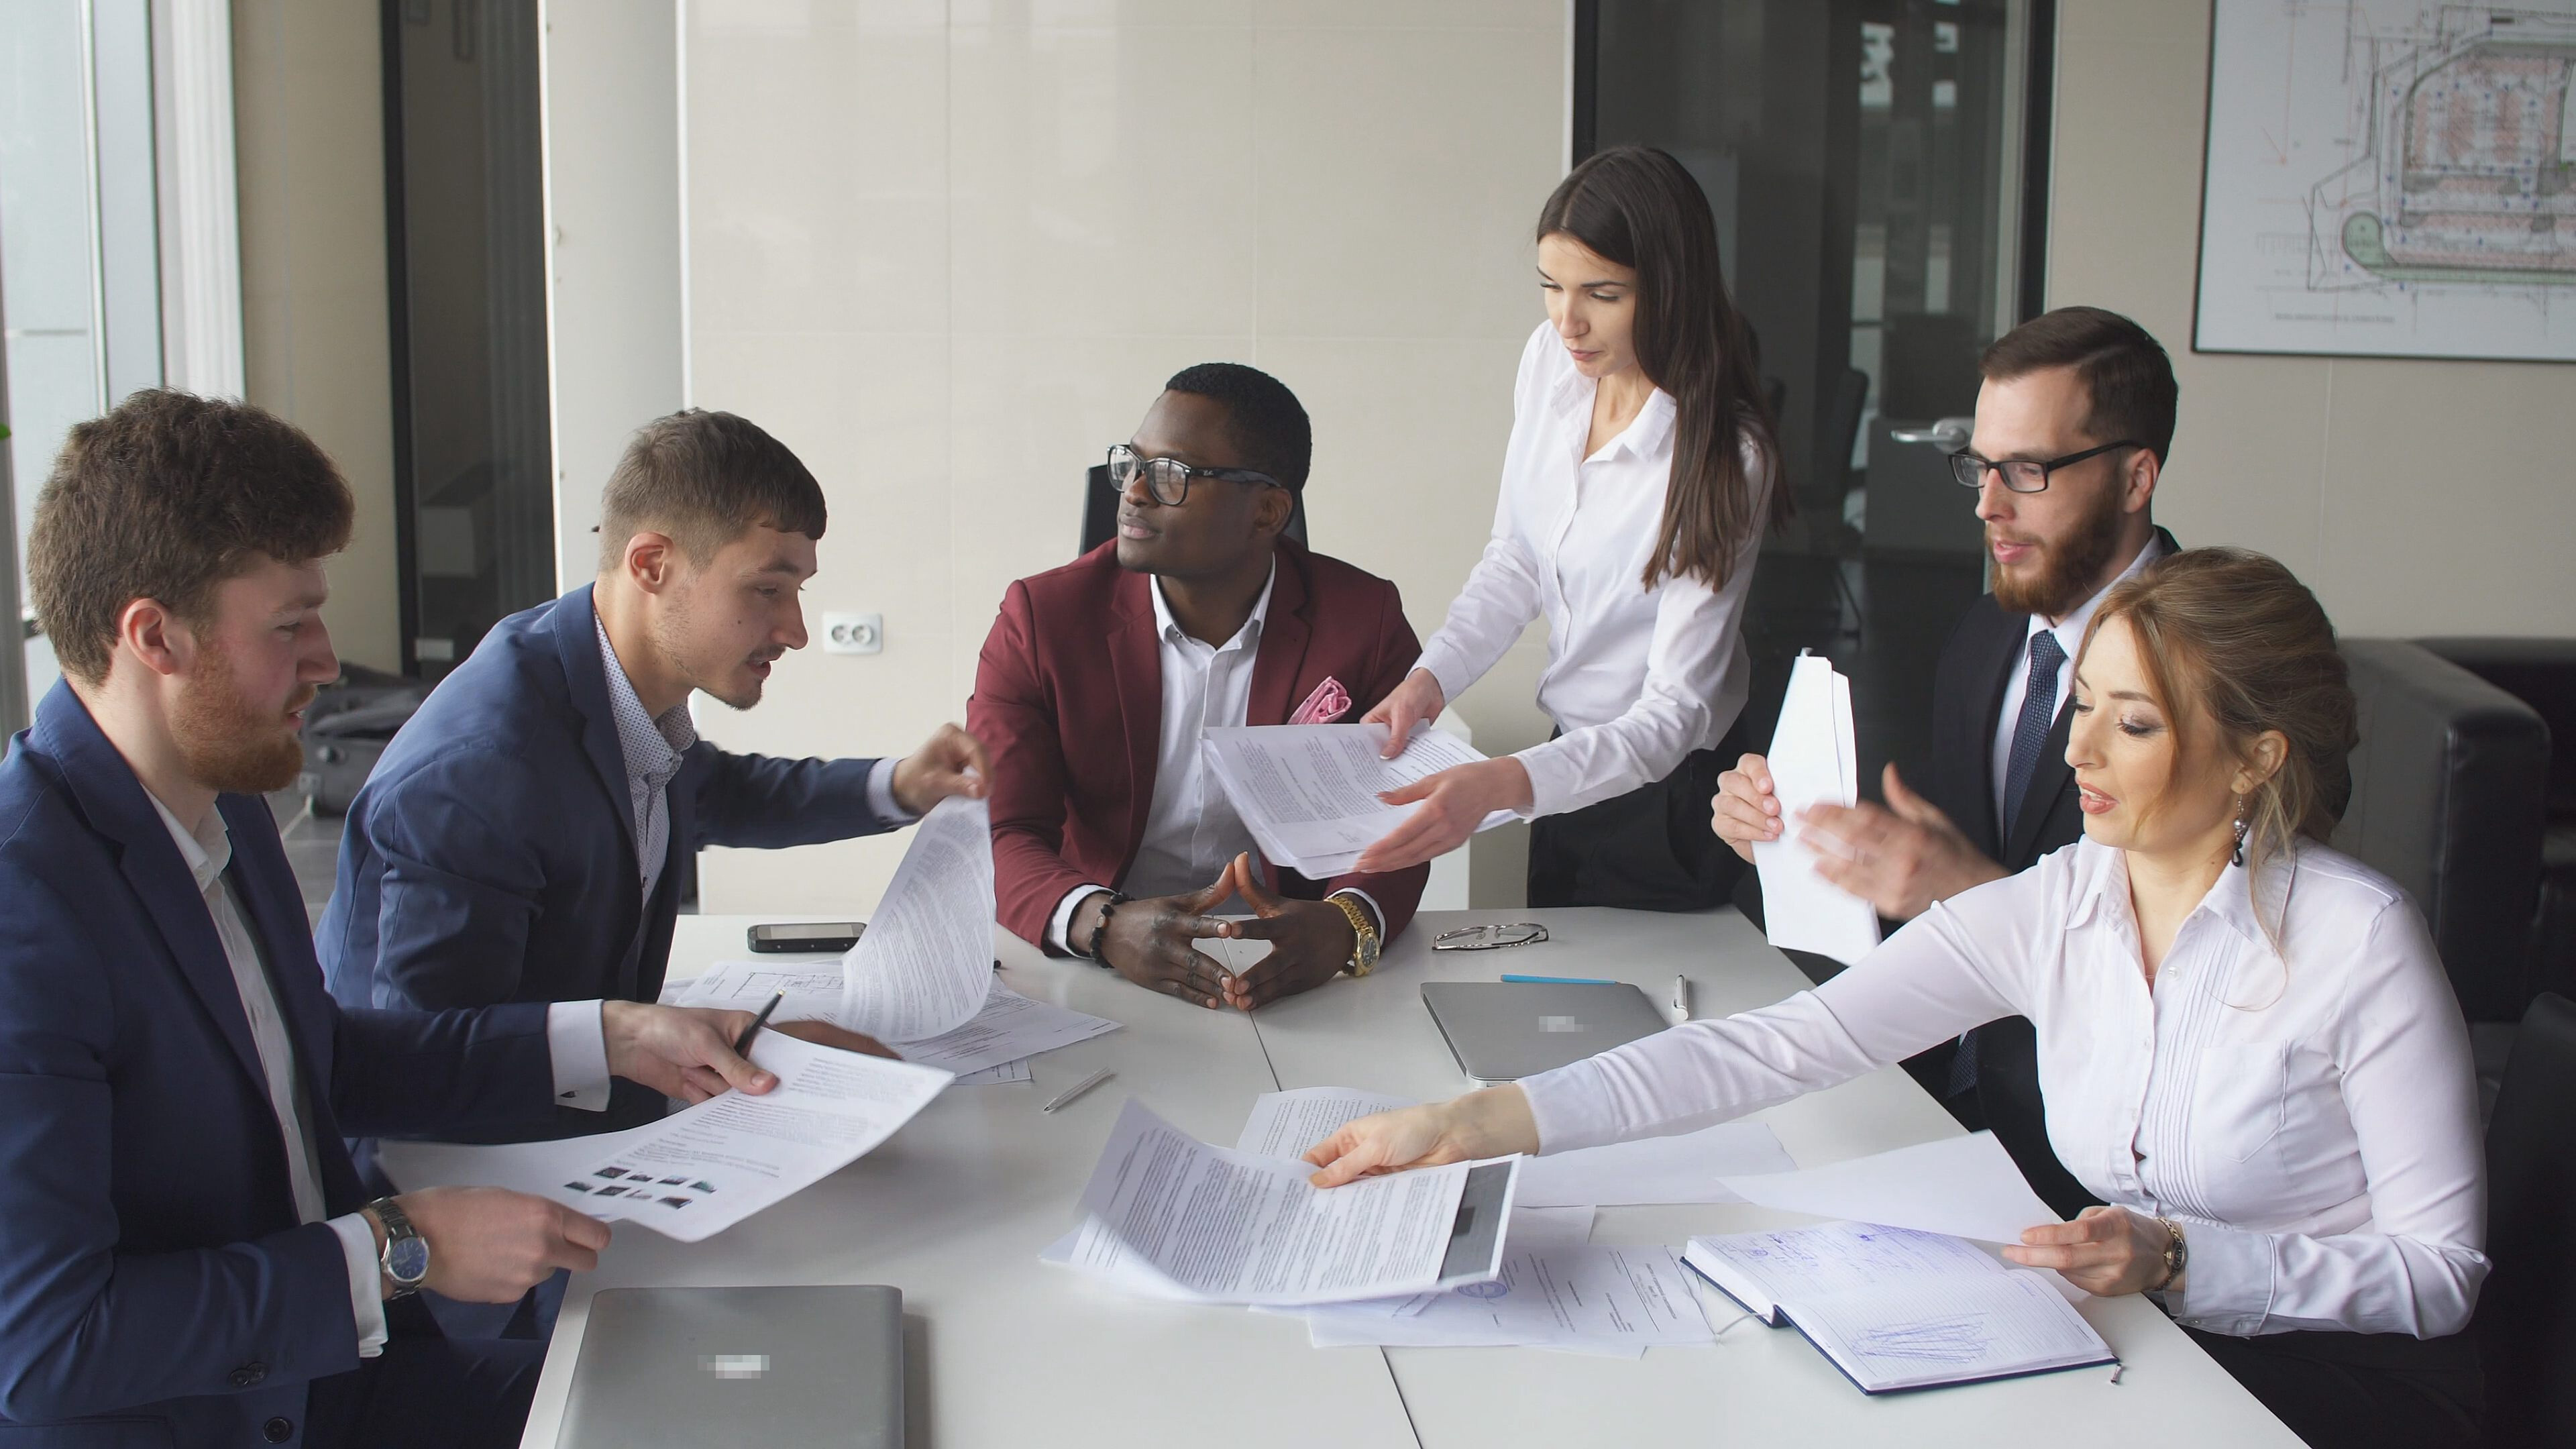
(2248, 1046)
(1641, 474)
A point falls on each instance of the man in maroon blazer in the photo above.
(1111, 839)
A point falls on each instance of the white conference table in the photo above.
(1006, 1352)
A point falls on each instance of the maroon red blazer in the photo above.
(1072, 672)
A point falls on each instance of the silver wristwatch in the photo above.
(405, 1256)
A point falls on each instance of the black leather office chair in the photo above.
(1100, 510)
(2526, 1320)
(2541, 673)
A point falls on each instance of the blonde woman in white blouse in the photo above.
(1639, 477)
(2247, 1043)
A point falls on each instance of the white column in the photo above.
(201, 302)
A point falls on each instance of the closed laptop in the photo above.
(1502, 1031)
(783, 1368)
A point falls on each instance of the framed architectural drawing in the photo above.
(2390, 178)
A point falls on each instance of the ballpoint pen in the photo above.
(1077, 1089)
(742, 1043)
(1681, 1000)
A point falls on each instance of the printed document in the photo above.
(1620, 1300)
(925, 966)
(1689, 1167)
(1814, 761)
(1229, 1227)
(1011, 1027)
(699, 1171)
(1308, 793)
(1966, 1187)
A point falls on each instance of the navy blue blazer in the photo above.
(155, 1285)
(491, 856)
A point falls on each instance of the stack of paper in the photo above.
(1814, 761)
(700, 1171)
(1009, 1030)
(1168, 1216)
(1964, 1187)
(1309, 793)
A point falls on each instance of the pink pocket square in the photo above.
(1325, 705)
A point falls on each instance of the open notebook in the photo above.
(1896, 1309)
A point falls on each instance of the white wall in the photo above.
(613, 289)
(950, 252)
(2415, 497)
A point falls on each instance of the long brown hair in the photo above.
(1638, 207)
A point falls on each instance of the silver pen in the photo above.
(1681, 1000)
(1077, 1089)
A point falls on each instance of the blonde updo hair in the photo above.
(2236, 634)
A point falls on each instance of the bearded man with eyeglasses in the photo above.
(2073, 423)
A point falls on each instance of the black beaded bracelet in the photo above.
(1091, 952)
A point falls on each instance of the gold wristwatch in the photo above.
(1364, 953)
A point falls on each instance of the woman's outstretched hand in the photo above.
(1492, 1123)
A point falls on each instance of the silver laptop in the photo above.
(784, 1368)
(1502, 1031)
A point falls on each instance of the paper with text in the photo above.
(1009, 1028)
(1814, 760)
(1225, 1226)
(1964, 1186)
(1603, 1298)
(1309, 793)
(701, 1170)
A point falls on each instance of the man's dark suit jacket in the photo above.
(1069, 700)
(491, 856)
(1985, 651)
(155, 1284)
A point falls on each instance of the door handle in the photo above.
(1949, 433)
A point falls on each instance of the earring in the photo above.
(2237, 856)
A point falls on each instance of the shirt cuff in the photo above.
(2228, 1284)
(366, 1281)
(579, 1045)
(1368, 903)
(1060, 925)
(1570, 1107)
(1448, 666)
(881, 793)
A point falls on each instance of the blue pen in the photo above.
(1560, 980)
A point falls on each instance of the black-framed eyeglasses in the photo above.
(2021, 475)
(1167, 480)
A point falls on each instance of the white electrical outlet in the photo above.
(853, 633)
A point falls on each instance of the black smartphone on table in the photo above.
(802, 936)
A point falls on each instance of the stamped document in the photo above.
(698, 1172)
(1168, 1215)
(1308, 793)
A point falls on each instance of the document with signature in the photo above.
(701, 1170)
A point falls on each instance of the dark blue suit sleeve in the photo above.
(409, 1073)
(460, 883)
(765, 803)
(86, 1327)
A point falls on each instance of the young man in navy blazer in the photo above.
(527, 834)
(186, 1255)
(1099, 676)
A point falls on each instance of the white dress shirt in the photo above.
(1191, 829)
(1636, 679)
(572, 1031)
(652, 747)
(2312, 1122)
(2070, 637)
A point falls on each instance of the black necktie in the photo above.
(2030, 733)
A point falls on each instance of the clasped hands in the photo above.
(1150, 942)
(2107, 1251)
(489, 1245)
(1900, 857)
